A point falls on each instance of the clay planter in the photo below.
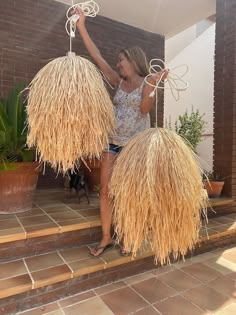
(214, 188)
(17, 187)
(93, 175)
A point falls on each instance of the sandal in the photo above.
(103, 248)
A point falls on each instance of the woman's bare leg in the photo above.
(105, 202)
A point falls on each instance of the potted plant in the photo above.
(213, 184)
(18, 172)
(191, 127)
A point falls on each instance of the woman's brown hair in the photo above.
(138, 58)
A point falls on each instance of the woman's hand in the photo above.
(159, 75)
(162, 75)
(82, 17)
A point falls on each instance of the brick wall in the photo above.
(225, 95)
(32, 33)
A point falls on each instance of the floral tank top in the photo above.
(129, 118)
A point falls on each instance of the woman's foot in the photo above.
(99, 250)
(125, 252)
(104, 245)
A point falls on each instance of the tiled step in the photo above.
(57, 221)
(36, 280)
(201, 285)
(221, 206)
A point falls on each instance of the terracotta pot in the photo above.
(214, 188)
(17, 187)
(93, 175)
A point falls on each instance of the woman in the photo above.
(132, 106)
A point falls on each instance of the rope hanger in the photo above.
(174, 82)
(90, 8)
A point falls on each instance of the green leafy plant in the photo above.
(190, 127)
(13, 131)
(211, 176)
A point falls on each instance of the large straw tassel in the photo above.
(157, 189)
(70, 113)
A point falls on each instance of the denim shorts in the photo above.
(113, 148)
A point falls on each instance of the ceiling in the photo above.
(164, 17)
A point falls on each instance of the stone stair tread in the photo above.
(55, 214)
(34, 272)
(55, 218)
(221, 201)
(28, 273)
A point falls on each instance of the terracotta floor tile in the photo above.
(153, 290)
(33, 212)
(212, 223)
(110, 287)
(94, 221)
(9, 224)
(93, 218)
(41, 310)
(207, 298)
(124, 301)
(208, 232)
(73, 224)
(230, 255)
(44, 261)
(177, 305)
(74, 254)
(220, 264)
(76, 298)
(90, 307)
(224, 285)
(89, 212)
(42, 229)
(193, 260)
(231, 276)
(202, 233)
(161, 270)
(12, 234)
(15, 285)
(202, 272)
(232, 226)
(12, 269)
(85, 266)
(223, 228)
(77, 206)
(63, 216)
(50, 275)
(139, 277)
(219, 251)
(224, 220)
(59, 209)
(35, 220)
(179, 280)
(48, 203)
(230, 310)
(7, 217)
(232, 216)
(147, 311)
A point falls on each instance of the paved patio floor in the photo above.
(204, 284)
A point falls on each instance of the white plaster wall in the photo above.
(199, 56)
(177, 43)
